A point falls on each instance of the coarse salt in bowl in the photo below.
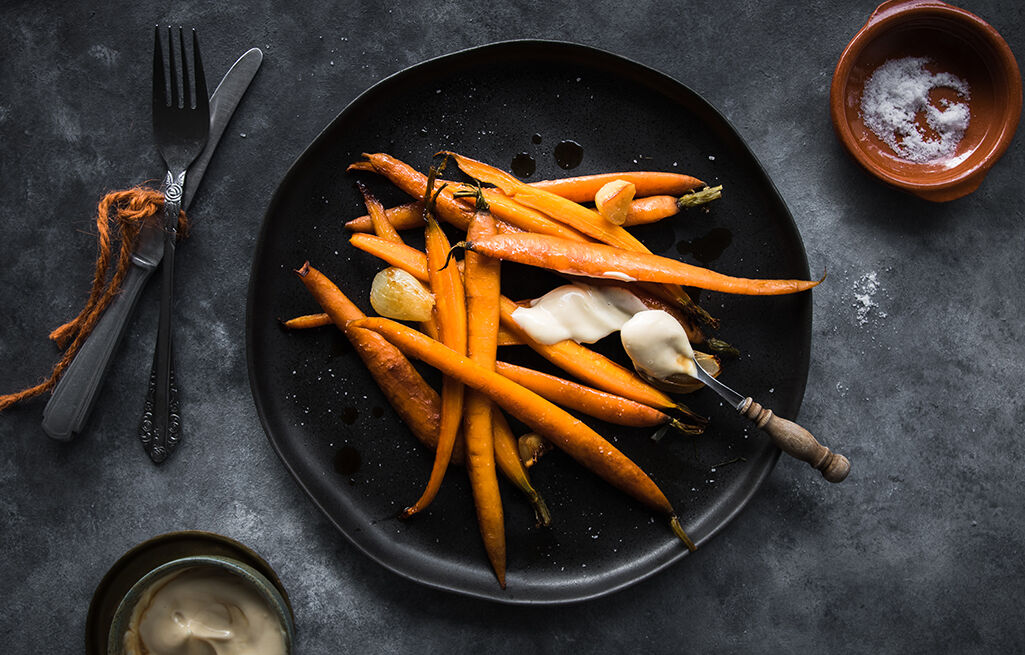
(926, 97)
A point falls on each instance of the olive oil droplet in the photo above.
(523, 165)
(568, 154)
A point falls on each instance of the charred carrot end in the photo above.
(382, 226)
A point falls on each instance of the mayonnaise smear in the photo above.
(581, 312)
(658, 345)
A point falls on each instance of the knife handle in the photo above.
(75, 394)
(797, 442)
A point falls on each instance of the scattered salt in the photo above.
(864, 297)
(897, 92)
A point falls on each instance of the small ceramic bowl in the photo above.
(111, 604)
(264, 587)
(957, 42)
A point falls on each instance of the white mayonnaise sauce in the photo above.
(204, 610)
(658, 344)
(581, 312)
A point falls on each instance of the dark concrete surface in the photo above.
(920, 551)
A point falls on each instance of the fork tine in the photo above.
(186, 87)
(202, 98)
(159, 82)
(175, 97)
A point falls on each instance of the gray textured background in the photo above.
(920, 551)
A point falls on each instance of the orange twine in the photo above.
(122, 213)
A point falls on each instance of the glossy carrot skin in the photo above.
(402, 217)
(450, 313)
(481, 280)
(599, 260)
(414, 183)
(648, 183)
(417, 404)
(587, 365)
(598, 404)
(569, 434)
(379, 221)
(307, 321)
(651, 210)
(507, 456)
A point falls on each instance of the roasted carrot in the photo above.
(601, 261)
(416, 403)
(570, 356)
(647, 183)
(481, 281)
(382, 226)
(569, 434)
(507, 338)
(507, 456)
(450, 313)
(595, 369)
(307, 321)
(585, 220)
(414, 183)
(655, 208)
(403, 217)
(588, 400)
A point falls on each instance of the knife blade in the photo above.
(75, 394)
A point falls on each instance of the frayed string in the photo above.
(119, 217)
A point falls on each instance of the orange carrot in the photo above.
(599, 404)
(416, 403)
(598, 260)
(482, 279)
(569, 434)
(648, 183)
(450, 313)
(570, 356)
(307, 321)
(414, 183)
(655, 208)
(592, 367)
(382, 226)
(507, 456)
(403, 217)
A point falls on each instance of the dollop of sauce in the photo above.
(581, 312)
(658, 344)
(204, 610)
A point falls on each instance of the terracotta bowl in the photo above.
(956, 41)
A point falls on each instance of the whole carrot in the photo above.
(569, 434)
(414, 183)
(648, 183)
(655, 208)
(482, 279)
(599, 260)
(416, 403)
(450, 312)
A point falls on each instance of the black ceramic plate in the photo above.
(320, 408)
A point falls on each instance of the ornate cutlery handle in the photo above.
(160, 430)
(797, 442)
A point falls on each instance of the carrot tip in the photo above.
(674, 523)
(304, 270)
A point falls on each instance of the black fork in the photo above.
(181, 124)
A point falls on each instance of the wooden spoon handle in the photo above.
(797, 442)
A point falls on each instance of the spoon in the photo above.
(787, 435)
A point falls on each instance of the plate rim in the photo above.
(752, 486)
